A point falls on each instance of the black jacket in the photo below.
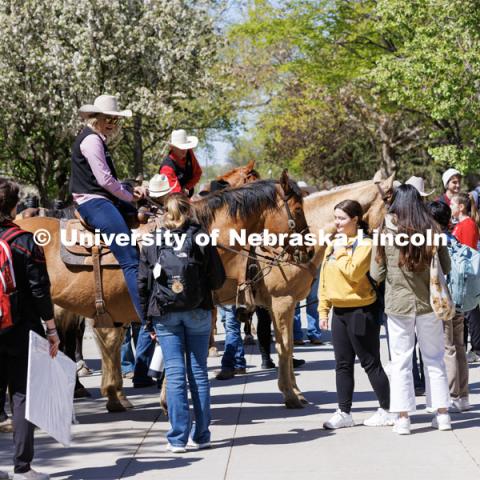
(212, 266)
(32, 300)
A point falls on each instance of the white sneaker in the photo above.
(4, 475)
(402, 426)
(472, 357)
(460, 405)
(171, 448)
(381, 418)
(339, 420)
(430, 409)
(198, 446)
(442, 421)
(31, 475)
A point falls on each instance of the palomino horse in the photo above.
(268, 204)
(285, 285)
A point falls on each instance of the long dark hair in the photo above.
(353, 209)
(410, 215)
(9, 196)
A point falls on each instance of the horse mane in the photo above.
(245, 201)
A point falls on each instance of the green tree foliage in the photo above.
(353, 86)
(160, 57)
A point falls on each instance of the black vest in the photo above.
(184, 175)
(82, 179)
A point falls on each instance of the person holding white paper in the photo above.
(25, 300)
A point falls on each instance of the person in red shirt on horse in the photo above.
(465, 212)
(181, 166)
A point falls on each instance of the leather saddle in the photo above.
(77, 242)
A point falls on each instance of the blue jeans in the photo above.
(126, 352)
(313, 327)
(234, 354)
(143, 357)
(105, 216)
(184, 338)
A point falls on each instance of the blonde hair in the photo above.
(92, 122)
(179, 210)
(467, 200)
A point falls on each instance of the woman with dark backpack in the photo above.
(29, 303)
(175, 284)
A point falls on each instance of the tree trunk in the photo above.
(137, 146)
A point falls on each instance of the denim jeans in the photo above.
(143, 357)
(313, 327)
(234, 354)
(126, 353)
(105, 216)
(184, 340)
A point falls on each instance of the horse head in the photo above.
(376, 209)
(290, 217)
(241, 175)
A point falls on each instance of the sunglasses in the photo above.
(112, 120)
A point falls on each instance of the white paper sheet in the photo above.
(50, 387)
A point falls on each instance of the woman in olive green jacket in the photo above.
(406, 271)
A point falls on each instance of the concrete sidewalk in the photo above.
(255, 437)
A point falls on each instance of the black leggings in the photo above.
(356, 332)
(264, 332)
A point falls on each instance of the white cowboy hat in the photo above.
(158, 186)
(419, 184)
(106, 104)
(180, 140)
(447, 176)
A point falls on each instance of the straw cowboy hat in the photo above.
(419, 184)
(158, 186)
(180, 140)
(106, 104)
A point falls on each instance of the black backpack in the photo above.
(181, 284)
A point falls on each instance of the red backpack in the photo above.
(7, 276)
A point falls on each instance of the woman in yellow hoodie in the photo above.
(346, 287)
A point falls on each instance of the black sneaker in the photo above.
(268, 365)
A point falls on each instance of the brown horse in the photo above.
(241, 175)
(285, 285)
(252, 208)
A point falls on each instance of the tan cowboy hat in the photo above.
(180, 140)
(158, 186)
(419, 184)
(106, 104)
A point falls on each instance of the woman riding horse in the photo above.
(102, 201)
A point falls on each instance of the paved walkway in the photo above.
(255, 437)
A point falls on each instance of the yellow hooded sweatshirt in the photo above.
(343, 278)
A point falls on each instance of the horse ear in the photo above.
(250, 165)
(284, 179)
(379, 176)
(387, 185)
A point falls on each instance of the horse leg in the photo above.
(212, 348)
(109, 341)
(282, 312)
(163, 396)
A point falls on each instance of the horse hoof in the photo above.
(126, 403)
(115, 407)
(82, 392)
(293, 403)
(304, 401)
(213, 352)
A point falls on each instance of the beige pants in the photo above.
(455, 357)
